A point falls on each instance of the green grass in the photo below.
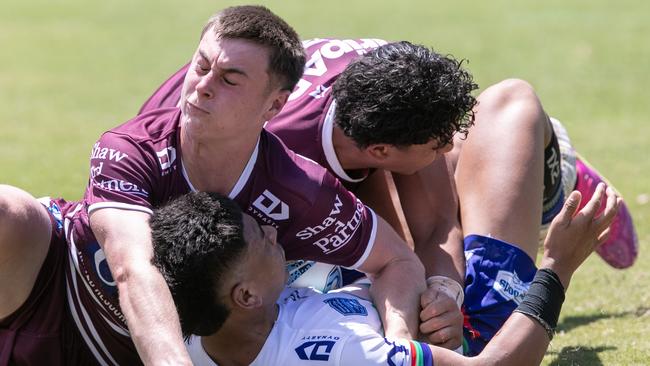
(70, 69)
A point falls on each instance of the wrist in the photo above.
(558, 268)
(447, 286)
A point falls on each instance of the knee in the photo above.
(511, 91)
(21, 215)
(515, 98)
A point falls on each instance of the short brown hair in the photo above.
(258, 24)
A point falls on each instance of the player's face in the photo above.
(266, 262)
(227, 89)
(409, 160)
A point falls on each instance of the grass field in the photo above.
(70, 69)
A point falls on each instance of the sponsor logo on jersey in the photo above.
(508, 285)
(319, 92)
(346, 306)
(294, 296)
(330, 49)
(337, 232)
(315, 350)
(121, 186)
(166, 158)
(105, 153)
(98, 276)
(271, 206)
(96, 170)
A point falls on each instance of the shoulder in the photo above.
(151, 125)
(295, 172)
(145, 134)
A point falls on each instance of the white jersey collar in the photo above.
(328, 146)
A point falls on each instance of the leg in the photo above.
(25, 231)
(499, 177)
(500, 167)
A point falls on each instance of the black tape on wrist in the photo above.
(544, 299)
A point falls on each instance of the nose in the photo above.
(204, 87)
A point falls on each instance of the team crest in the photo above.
(346, 306)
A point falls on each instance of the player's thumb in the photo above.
(570, 207)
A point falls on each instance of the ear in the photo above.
(245, 296)
(378, 152)
(277, 103)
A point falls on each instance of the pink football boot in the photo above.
(621, 248)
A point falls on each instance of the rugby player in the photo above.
(352, 114)
(63, 264)
(226, 274)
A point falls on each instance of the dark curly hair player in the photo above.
(404, 94)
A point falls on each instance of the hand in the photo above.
(441, 321)
(573, 236)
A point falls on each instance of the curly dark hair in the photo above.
(404, 94)
(197, 239)
(258, 24)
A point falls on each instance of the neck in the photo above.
(215, 164)
(242, 337)
(347, 151)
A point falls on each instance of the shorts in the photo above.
(41, 331)
(497, 277)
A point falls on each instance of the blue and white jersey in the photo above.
(341, 327)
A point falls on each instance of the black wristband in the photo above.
(544, 299)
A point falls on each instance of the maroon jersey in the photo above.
(138, 166)
(306, 122)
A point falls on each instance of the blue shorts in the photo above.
(497, 277)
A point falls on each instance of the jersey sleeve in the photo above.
(337, 229)
(367, 347)
(120, 175)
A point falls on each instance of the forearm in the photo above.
(151, 316)
(396, 293)
(443, 255)
(521, 341)
(143, 294)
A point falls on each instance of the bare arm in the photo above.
(144, 296)
(429, 202)
(397, 281)
(572, 237)
(378, 192)
(430, 206)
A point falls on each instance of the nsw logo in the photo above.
(347, 306)
(272, 206)
(315, 350)
(508, 285)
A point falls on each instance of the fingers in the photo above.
(447, 338)
(427, 297)
(569, 209)
(591, 208)
(602, 237)
(611, 208)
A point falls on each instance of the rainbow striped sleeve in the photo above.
(420, 354)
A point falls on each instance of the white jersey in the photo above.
(341, 327)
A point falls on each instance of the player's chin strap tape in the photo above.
(544, 299)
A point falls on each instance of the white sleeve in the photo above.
(367, 347)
